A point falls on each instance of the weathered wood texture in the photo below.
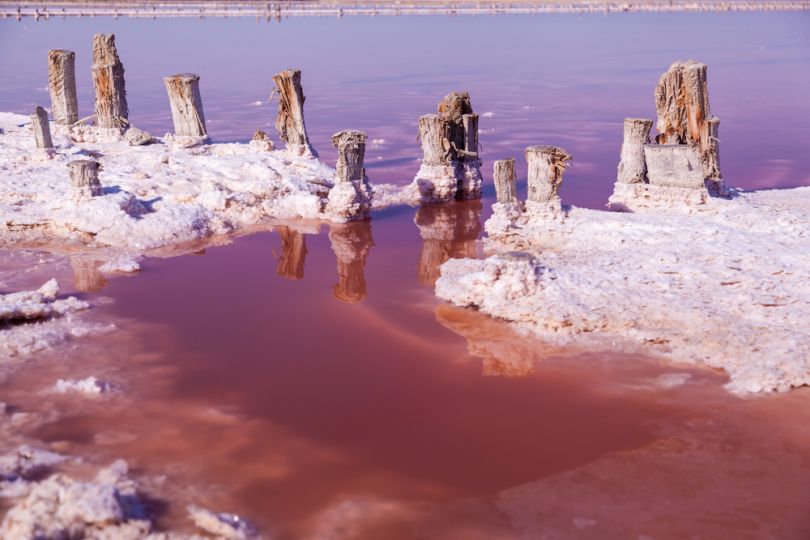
(42, 128)
(504, 177)
(186, 104)
(108, 79)
(293, 253)
(470, 123)
(435, 138)
(632, 167)
(673, 165)
(290, 117)
(62, 86)
(84, 177)
(682, 104)
(453, 108)
(546, 167)
(351, 145)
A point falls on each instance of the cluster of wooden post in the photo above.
(546, 165)
(687, 136)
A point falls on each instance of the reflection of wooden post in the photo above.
(290, 118)
(86, 276)
(546, 166)
(351, 243)
(108, 80)
(186, 104)
(84, 177)
(62, 86)
(42, 129)
(504, 178)
(293, 253)
(447, 231)
(632, 167)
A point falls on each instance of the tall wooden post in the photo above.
(504, 177)
(108, 79)
(62, 86)
(632, 167)
(42, 129)
(290, 117)
(186, 104)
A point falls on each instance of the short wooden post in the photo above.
(632, 167)
(711, 157)
(434, 136)
(62, 86)
(293, 254)
(84, 177)
(186, 104)
(108, 79)
(504, 177)
(470, 122)
(290, 117)
(42, 129)
(351, 145)
(546, 166)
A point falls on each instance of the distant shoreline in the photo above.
(279, 9)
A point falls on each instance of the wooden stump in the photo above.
(632, 167)
(504, 178)
(546, 166)
(186, 104)
(42, 129)
(351, 145)
(435, 137)
(108, 80)
(62, 86)
(84, 177)
(290, 117)
(682, 104)
(293, 254)
(453, 108)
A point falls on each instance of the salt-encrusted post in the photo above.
(350, 198)
(290, 117)
(62, 86)
(42, 129)
(435, 136)
(632, 167)
(186, 104)
(84, 177)
(108, 80)
(546, 165)
(504, 178)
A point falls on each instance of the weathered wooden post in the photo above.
(84, 177)
(350, 197)
(186, 104)
(62, 86)
(470, 123)
(546, 165)
(453, 108)
(42, 129)
(351, 243)
(108, 79)
(290, 117)
(504, 177)
(293, 253)
(632, 167)
(435, 137)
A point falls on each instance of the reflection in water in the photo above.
(447, 231)
(293, 253)
(351, 243)
(86, 276)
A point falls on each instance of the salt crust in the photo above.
(723, 283)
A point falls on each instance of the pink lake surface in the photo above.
(350, 403)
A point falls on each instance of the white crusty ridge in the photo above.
(727, 287)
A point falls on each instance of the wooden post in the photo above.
(504, 177)
(470, 123)
(84, 177)
(42, 129)
(186, 104)
(290, 117)
(62, 86)
(435, 137)
(453, 108)
(546, 166)
(108, 80)
(710, 159)
(351, 145)
(632, 167)
(293, 253)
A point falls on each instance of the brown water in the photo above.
(313, 383)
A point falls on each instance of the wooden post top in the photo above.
(182, 77)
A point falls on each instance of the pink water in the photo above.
(349, 403)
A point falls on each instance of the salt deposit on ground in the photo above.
(724, 284)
